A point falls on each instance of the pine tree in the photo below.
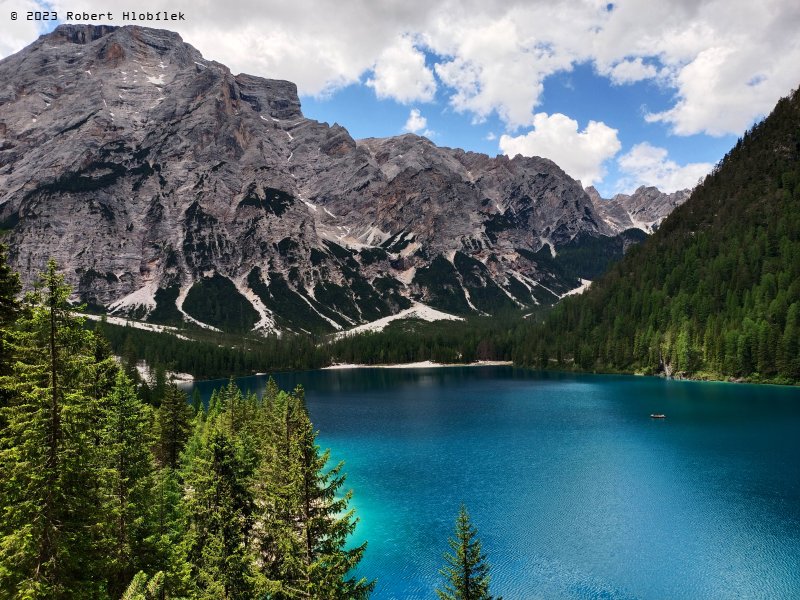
(466, 571)
(126, 444)
(306, 524)
(173, 424)
(52, 479)
(219, 508)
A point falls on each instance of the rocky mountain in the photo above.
(171, 190)
(645, 209)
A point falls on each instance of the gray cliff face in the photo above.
(161, 183)
(645, 209)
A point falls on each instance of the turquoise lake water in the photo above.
(576, 492)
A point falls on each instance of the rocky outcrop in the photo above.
(163, 184)
(645, 209)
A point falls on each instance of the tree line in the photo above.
(210, 355)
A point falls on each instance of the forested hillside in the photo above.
(715, 291)
(106, 496)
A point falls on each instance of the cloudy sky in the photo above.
(619, 94)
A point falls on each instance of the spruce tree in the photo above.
(9, 311)
(219, 508)
(143, 587)
(197, 401)
(129, 462)
(51, 539)
(173, 424)
(466, 571)
(168, 554)
(9, 308)
(306, 523)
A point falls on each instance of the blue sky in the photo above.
(622, 94)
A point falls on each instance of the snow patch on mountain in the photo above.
(417, 311)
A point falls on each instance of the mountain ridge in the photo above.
(159, 180)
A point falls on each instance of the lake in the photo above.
(576, 492)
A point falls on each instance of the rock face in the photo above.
(170, 189)
(645, 209)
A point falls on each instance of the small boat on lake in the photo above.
(658, 416)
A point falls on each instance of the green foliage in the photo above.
(9, 311)
(466, 572)
(216, 301)
(144, 588)
(304, 511)
(210, 355)
(99, 489)
(291, 310)
(126, 442)
(219, 512)
(588, 257)
(9, 290)
(477, 338)
(166, 312)
(441, 281)
(52, 465)
(215, 356)
(484, 293)
(172, 426)
(715, 292)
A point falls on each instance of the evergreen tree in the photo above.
(126, 443)
(307, 525)
(143, 587)
(173, 424)
(466, 571)
(9, 308)
(9, 311)
(197, 401)
(168, 552)
(219, 508)
(710, 293)
(52, 479)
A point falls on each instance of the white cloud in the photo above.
(416, 122)
(727, 61)
(19, 32)
(494, 68)
(631, 71)
(580, 153)
(400, 73)
(649, 165)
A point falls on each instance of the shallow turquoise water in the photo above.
(575, 491)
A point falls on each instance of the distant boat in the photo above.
(659, 416)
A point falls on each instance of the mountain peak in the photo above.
(160, 182)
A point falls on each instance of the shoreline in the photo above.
(425, 364)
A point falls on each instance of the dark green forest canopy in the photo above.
(715, 292)
(210, 355)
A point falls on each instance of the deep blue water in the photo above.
(576, 492)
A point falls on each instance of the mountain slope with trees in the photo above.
(715, 292)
